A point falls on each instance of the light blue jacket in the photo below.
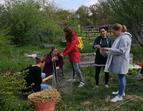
(119, 55)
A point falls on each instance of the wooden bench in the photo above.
(87, 60)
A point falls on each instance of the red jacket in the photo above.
(72, 50)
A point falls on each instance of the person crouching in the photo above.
(53, 62)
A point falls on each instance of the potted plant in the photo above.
(45, 100)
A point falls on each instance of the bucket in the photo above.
(49, 106)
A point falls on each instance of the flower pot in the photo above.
(49, 106)
(45, 100)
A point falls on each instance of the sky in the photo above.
(1, 1)
(70, 4)
(73, 4)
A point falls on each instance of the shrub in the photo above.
(28, 24)
(10, 85)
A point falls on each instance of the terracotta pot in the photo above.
(49, 106)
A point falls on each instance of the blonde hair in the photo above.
(117, 27)
(124, 28)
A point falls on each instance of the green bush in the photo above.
(28, 24)
(10, 85)
(137, 53)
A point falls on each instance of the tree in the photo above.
(101, 13)
(63, 16)
(130, 13)
(28, 24)
(84, 14)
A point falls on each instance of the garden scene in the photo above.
(71, 55)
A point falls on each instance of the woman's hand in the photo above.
(55, 58)
(62, 55)
(104, 49)
(98, 46)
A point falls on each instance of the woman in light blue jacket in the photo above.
(118, 58)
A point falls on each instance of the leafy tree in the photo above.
(63, 16)
(84, 13)
(130, 13)
(101, 13)
(28, 23)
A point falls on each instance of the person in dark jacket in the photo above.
(100, 60)
(33, 77)
(51, 59)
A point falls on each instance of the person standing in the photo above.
(118, 58)
(73, 52)
(100, 60)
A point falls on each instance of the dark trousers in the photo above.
(97, 73)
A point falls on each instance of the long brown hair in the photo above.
(69, 34)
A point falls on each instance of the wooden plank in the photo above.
(87, 60)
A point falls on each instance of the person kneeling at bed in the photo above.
(35, 79)
(53, 62)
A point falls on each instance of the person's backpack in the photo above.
(80, 43)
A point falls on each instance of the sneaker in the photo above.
(117, 99)
(116, 93)
(81, 84)
(71, 80)
(106, 86)
(95, 87)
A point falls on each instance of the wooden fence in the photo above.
(92, 31)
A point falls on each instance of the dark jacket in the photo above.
(103, 42)
(33, 79)
(48, 69)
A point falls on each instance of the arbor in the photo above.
(130, 13)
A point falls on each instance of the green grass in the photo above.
(87, 99)
(88, 46)
(138, 53)
(81, 99)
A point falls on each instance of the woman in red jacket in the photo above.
(73, 52)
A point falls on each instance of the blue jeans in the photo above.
(122, 84)
(76, 70)
(43, 85)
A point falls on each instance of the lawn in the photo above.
(89, 99)
(77, 99)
